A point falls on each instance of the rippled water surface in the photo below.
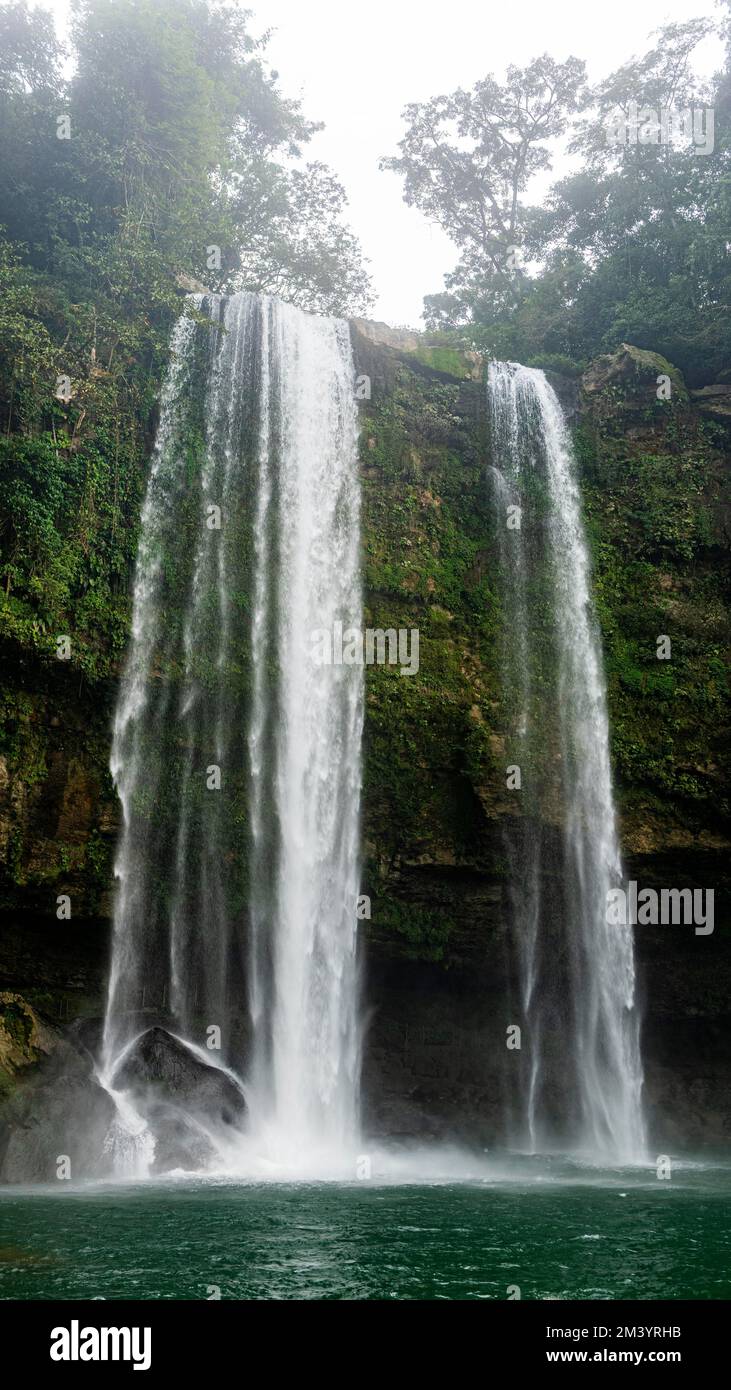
(553, 1228)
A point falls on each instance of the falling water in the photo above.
(305, 745)
(583, 1076)
(236, 756)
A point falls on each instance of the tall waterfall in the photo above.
(236, 756)
(305, 745)
(583, 1077)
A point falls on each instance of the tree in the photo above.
(467, 158)
(177, 127)
(633, 246)
(182, 156)
(648, 217)
(291, 242)
(29, 51)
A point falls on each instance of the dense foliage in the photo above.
(169, 155)
(633, 246)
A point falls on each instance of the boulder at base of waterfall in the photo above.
(55, 1126)
(161, 1072)
(181, 1142)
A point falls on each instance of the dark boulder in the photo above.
(159, 1069)
(56, 1125)
(181, 1141)
(189, 1105)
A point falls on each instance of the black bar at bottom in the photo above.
(202, 1338)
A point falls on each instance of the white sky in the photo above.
(356, 65)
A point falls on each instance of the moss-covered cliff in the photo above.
(656, 486)
(655, 481)
(654, 475)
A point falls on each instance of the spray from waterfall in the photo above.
(582, 1078)
(236, 757)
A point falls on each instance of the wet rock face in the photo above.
(160, 1069)
(185, 1102)
(181, 1143)
(61, 1123)
(66, 1120)
(24, 1037)
(435, 801)
(55, 1126)
(56, 1116)
(58, 812)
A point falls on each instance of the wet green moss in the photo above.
(445, 359)
(426, 535)
(655, 487)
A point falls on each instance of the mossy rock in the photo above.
(447, 361)
(630, 368)
(24, 1038)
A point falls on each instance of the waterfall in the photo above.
(235, 755)
(582, 1076)
(306, 1061)
(237, 758)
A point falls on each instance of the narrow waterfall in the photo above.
(582, 1077)
(235, 755)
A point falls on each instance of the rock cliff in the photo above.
(654, 469)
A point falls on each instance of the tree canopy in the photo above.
(177, 140)
(634, 245)
(159, 150)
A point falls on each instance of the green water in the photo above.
(560, 1232)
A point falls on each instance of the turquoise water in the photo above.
(556, 1230)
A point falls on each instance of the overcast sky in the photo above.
(356, 65)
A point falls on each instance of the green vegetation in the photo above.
(169, 153)
(656, 489)
(426, 524)
(182, 144)
(633, 247)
